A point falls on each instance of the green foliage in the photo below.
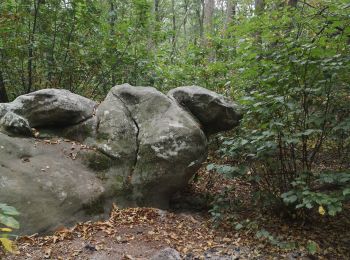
(312, 247)
(83, 46)
(7, 214)
(221, 206)
(227, 170)
(291, 77)
(338, 191)
(7, 223)
(287, 65)
(264, 234)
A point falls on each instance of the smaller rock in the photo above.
(3, 109)
(15, 124)
(53, 107)
(215, 112)
(167, 254)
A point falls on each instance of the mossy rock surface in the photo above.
(97, 161)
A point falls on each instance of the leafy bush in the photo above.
(329, 202)
(7, 223)
(292, 78)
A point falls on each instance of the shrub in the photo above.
(292, 78)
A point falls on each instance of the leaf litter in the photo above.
(139, 233)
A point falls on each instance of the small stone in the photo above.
(167, 254)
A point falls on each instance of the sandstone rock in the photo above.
(171, 145)
(48, 188)
(116, 137)
(15, 124)
(215, 112)
(52, 107)
(117, 132)
(3, 109)
(137, 149)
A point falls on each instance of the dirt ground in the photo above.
(139, 233)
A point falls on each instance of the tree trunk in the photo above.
(156, 11)
(51, 58)
(231, 12)
(3, 92)
(31, 46)
(186, 5)
(200, 16)
(259, 9)
(292, 3)
(112, 20)
(173, 38)
(230, 17)
(209, 6)
(259, 6)
(154, 40)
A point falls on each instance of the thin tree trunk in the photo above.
(3, 93)
(156, 11)
(51, 59)
(173, 38)
(231, 12)
(209, 6)
(185, 19)
(112, 33)
(31, 46)
(259, 9)
(292, 3)
(153, 41)
(200, 16)
(259, 6)
(70, 36)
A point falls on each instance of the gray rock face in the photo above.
(138, 148)
(215, 112)
(47, 187)
(170, 144)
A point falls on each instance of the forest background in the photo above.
(286, 62)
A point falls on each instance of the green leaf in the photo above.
(312, 247)
(9, 221)
(290, 199)
(238, 226)
(346, 191)
(211, 167)
(8, 210)
(7, 244)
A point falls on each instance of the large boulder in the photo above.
(215, 112)
(137, 148)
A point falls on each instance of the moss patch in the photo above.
(97, 161)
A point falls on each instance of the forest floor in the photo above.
(139, 233)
